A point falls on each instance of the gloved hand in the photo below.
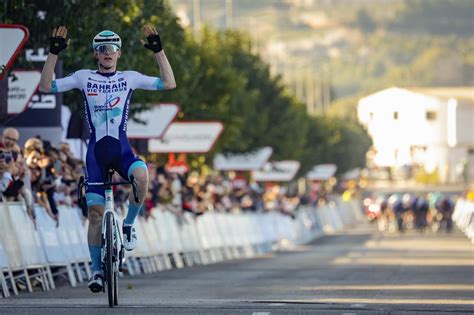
(154, 43)
(57, 44)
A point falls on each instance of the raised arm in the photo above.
(57, 43)
(154, 44)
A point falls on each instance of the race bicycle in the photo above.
(112, 252)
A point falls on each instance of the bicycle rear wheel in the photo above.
(109, 253)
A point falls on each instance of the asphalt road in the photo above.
(358, 272)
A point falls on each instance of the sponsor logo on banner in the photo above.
(43, 101)
(177, 166)
(21, 87)
(43, 109)
(251, 161)
(239, 182)
(39, 57)
(282, 171)
(188, 137)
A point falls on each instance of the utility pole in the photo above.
(293, 78)
(196, 18)
(229, 14)
(287, 74)
(317, 92)
(327, 88)
(323, 91)
(310, 104)
(299, 79)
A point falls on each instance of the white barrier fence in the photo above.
(32, 256)
(463, 216)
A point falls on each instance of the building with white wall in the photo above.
(432, 128)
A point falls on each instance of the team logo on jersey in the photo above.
(106, 88)
(111, 102)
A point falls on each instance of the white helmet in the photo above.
(106, 38)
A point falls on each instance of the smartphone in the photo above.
(57, 167)
(7, 155)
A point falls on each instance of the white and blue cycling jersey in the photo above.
(106, 106)
(107, 97)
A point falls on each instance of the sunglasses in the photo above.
(103, 49)
(10, 138)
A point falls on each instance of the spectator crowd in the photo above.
(48, 175)
(38, 173)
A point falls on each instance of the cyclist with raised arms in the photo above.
(107, 94)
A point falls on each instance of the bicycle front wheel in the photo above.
(115, 287)
(109, 253)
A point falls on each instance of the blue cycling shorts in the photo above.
(102, 155)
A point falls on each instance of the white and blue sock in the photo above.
(95, 252)
(133, 210)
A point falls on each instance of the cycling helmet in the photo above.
(106, 38)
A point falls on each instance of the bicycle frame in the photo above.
(117, 253)
(117, 236)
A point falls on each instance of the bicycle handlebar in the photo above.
(132, 182)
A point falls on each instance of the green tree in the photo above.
(84, 19)
(218, 78)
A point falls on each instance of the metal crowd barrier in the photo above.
(463, 216)
(34, 257)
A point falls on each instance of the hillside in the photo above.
(341, 49)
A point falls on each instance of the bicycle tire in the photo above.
(109, 264)
(115, 287)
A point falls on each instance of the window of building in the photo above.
(395, 115)
(431, 115)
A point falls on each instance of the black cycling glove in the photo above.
(57, 44)
(154, 43)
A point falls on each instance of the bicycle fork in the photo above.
(118, 248)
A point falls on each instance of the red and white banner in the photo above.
(12, 38)
(22, 85)
(282, 171)
(152, 124)
(243, 162)
(188, 137)
(322, 172)
(177, 166)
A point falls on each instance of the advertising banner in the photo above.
(322, 172)
(187, 137)
(282, 171)
(13, 37)
(44, 109)
(22, 85)
(152, 124)
(243, 162)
